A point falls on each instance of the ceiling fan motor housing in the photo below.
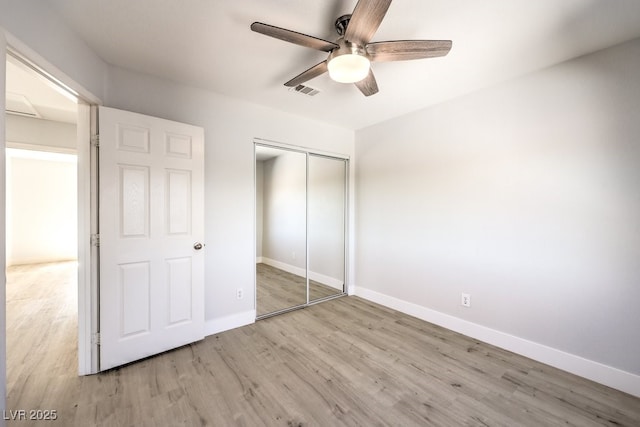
(342, 23)
(347, 48)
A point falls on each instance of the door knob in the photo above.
(197, 246)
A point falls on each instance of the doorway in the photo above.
(41, 229)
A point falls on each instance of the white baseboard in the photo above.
(284, 266)
(595, 371)
(326, 280)
(226, 323)
(320, 278)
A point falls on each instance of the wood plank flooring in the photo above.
(344, 362)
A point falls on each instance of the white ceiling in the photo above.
(33, 94)
(208, 44)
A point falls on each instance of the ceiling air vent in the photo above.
(306, 90)
(20, 105)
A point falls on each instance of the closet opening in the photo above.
(301, 227)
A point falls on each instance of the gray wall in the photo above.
(41, 207)
(284, 214)
(526, 196)
(41, 192)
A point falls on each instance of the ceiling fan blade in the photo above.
(402, 50)
(293, 37)
(368, 86)
(311, 73)
(365, 20)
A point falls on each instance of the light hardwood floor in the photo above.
(343, 362)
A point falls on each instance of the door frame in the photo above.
(87, 185)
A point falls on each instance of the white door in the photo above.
(151, 226)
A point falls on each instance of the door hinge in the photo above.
(95, 140)
(95, 338)
(95, 240)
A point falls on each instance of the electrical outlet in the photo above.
(239, 293)
(466, 300)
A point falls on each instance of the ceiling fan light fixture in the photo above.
(348, 68)
(350, 56)
(349, 63)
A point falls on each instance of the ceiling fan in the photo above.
(351, 55)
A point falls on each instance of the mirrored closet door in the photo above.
(326, 226)
(281, 229)
(300, 228)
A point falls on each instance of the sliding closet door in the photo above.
(327, 177)
(281, 231)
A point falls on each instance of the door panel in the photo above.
(178, 202)
(281, 260)
(180, 295)
(150, 216)
(134, 201)
(136, 295)
(326, 224)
